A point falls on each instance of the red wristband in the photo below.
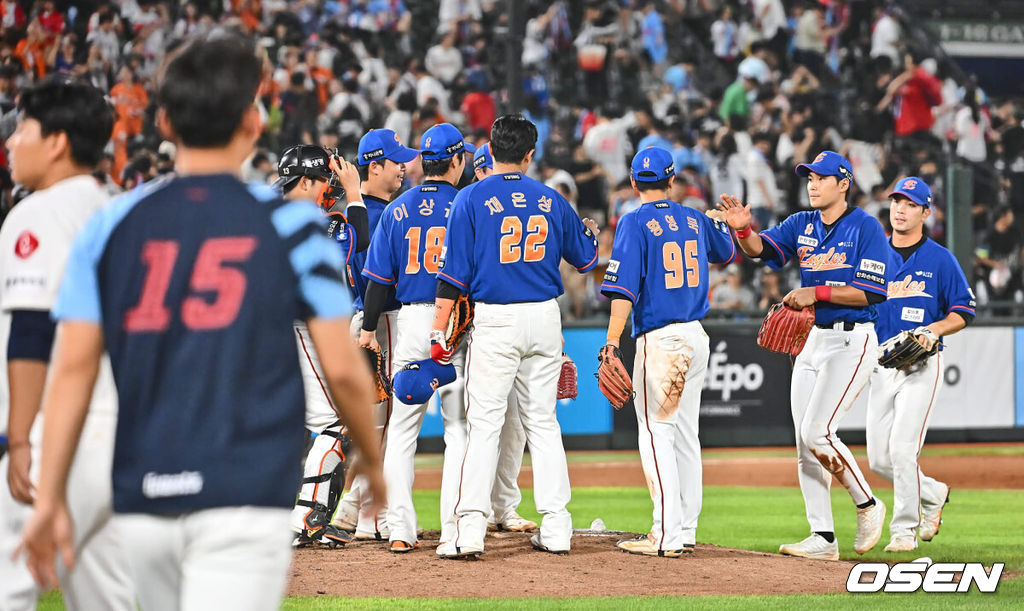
(823, 293)
(743, 233)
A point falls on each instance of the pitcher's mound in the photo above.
(511, 568)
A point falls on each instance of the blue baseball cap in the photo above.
(442, 141)
(652, 164)
(417, 381)
(827, 163)
(380, 144)
(915, 189)
(483, 157)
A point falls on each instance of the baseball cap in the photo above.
(306, 160)
(915, 189)
(827, 163)
(380, 144)
(442, 141)
(483, 157)
(652, 164)
(417, 381)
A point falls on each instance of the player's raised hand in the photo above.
(591, 224)
(49, 532)
(736, 214)
(347, 174)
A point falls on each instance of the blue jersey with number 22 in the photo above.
(660, 262)
(507, 235)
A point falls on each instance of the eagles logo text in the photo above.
(821, 262)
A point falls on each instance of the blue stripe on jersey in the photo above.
(326, 297)
(295, 215)
(927, 287)
(263, 192)
(317, 249)
(660, 262)
(79, 295)
(854, 252)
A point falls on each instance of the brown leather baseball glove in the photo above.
(785, 330)
(612, 377)
(380, 372)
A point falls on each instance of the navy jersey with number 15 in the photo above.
(406, 248)
(660, 262)
(507, 235)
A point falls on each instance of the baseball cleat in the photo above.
(869, 526)
(451, 551)
(931, 519)
(516, 523)
(814, 547)
(643, 545)
(344, 522)
(537, 545)
(902, 543)
(401, 547)
(380, 535)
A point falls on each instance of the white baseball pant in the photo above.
(668, 425)
(505, 495)
(199, 561)
(414, 324)
(829, 373)
(101, 579)
(356, 502)
(899, 408)
(514, 347)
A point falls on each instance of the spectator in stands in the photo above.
(444, 60)
(723, 37)
(1000, 257)
(608, 144)
(762, 192)
(770, 20)
(106, 38)
(731, 294)
(913, 94)
(734, 101)
(772, 290)
(886, 36)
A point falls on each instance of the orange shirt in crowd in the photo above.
(130, 102)
(32, 55)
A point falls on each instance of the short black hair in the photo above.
(436, 167)
(76, 108)
(512, 137)
(206, 87)
(661, 185)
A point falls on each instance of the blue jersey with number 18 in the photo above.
(507, 235)
(406, 248)
(660, 262)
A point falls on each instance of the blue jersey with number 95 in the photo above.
(660, 262)
(507, 235)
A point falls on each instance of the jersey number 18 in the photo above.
(431, 252)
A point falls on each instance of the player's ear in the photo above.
(632, 181)
(58, 145)
(529, 157)
(844, 185)
(671, 181)
(163, 126)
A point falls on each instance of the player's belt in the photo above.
(839, 325)
(417, 303)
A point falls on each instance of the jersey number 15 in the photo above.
(680, 266)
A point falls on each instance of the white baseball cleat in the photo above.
(814, 547)
(931, 519)
(345, 522)
(869, 526)
(643, 545)
(381, 535)
(450, 550)
(535, 542)
(516, 523)
(902, 543)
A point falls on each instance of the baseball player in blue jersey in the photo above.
(195, 304)
(311, 173)
(928, 295)
(844, 265)
(506, 237)
(402, 265)
(381, 163)
(505, 495)
(659, 271)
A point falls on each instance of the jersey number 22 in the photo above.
(532, 249)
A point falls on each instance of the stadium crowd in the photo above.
(739, 90)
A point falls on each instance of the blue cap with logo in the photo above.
(381, 144)
(417, 381)
(442, 141)
(483, 157)
(827, 163)
(652, 164)
(915, 189)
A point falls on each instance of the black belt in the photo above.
(412, 303)
(847, 325)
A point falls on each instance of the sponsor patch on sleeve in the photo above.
(871, 277)
(613, 266)
(875, 267)
(610, 277)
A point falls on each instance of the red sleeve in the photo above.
(932, 89)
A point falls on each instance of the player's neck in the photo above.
(906, 238)
(647, 197)
(61, 171)
(220, 160)
(831, 213)
(508, 168)
(377, 191)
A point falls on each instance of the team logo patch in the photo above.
(809, 229)
(613, 266)
(426, 143)
(647, 162)
(806, 241)
(820, 158)
(870, 265)
(26, 245)
(823, 261)
(910, 184)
